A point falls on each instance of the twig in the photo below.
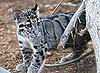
(86, 53)
(57, 6)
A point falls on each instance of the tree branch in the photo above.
(57, 6)
(71, 25)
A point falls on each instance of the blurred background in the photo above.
(9, 50)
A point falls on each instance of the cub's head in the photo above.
(26, 20)
(22, 16)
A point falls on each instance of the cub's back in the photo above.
(54, 26)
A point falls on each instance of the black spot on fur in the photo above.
(34, 55)
(28, 60)
(37, 60)
(39, 64)
(21, 46)
(26, 56)
(41, 53)
(35, 47)
(45, 42)
(28, 21)
(41, 45)
(46, 49)
(21, 42)
(43, 57)
(42, 41)
(21, 25)
(26, 51)
(37, 52)
(35, 65)
(23, 51)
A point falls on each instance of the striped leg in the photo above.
(27, 58)
(37, 61)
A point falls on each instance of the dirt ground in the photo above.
(9, 50)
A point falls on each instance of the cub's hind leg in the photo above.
(27, 58)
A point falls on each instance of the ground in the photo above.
(9, 50)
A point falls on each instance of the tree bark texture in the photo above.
(93, 25)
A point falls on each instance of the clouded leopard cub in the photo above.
(36, 35)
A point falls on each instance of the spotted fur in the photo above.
(36, 35)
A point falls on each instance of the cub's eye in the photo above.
(28, 23)
(33, 16)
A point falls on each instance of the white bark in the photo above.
(93, 25)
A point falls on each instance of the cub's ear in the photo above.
(18, 15)
(35, 8)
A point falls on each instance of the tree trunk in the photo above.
(93, 25)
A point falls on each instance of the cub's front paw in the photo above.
(22, 68)
(31, 69)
